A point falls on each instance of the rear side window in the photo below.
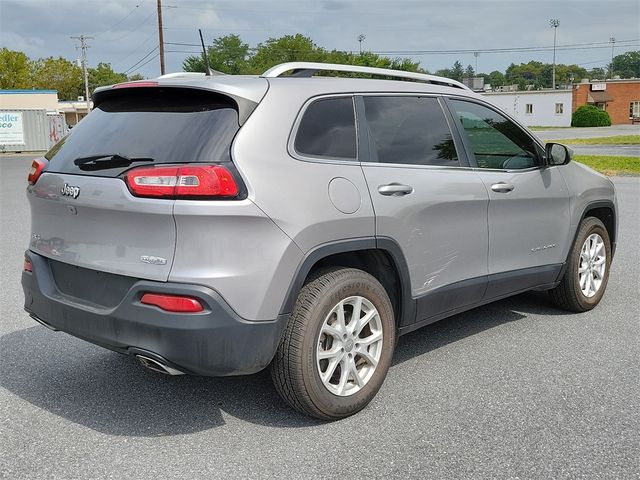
(328, 129)
(160, 125)
(409, 130)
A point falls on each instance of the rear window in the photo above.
(328, 129)
(160, 125)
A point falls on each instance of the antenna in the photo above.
(204, 54)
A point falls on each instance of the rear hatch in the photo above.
(83, 212)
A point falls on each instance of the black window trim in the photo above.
(363, 142)
(305, 157)
(469, 149)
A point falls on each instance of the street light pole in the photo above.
(85, 72)
(613, 44)
(555, 23)
(361, 38)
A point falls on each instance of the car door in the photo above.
(528, 213)
(426, 199)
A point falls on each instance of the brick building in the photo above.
(621, 98)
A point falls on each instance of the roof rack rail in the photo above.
(308, 69)
(214, 73)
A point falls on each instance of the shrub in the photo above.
(590, 116)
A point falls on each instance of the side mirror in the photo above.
(557, 154)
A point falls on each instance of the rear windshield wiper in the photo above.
(101, 162)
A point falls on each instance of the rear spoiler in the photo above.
(244, 105)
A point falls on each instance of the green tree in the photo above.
(469, 72)
(495, 79)
(444, 72)
(136, 76)
(627, 65)
(61, 75)
(230, 55)
(15, 70)
(597, 73)
(457, 72)
(530, 73)
(227, 54)
(102, 75)
(289, 48)
(565, 72)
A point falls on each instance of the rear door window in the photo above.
(328, 129)
(159, 125)
(409, 130)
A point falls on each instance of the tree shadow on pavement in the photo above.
(110, 393)
(471, 322)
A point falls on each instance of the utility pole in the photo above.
(555, 23)
(85, 73)
(612, 41)
(161, 37)
(361, 38)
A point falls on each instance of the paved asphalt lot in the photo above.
(615, 130)
(515, 389)
(588, 132)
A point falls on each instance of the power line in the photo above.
(143, 22)
(149, 60)
(141, 60)
(120, 21)
(140, 45)
(574, 46)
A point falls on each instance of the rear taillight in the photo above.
(28, 266)
(141, 83)
(172, 303)
(182, 181)
(37, 166)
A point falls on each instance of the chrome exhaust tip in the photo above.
(156, 366)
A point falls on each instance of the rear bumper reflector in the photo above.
(172, 303)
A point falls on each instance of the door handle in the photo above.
(502, 187)
(395, 189)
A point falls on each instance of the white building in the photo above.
(540, 108)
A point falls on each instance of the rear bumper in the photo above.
(214, 342)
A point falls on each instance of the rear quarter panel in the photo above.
(292, 192)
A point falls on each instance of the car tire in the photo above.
(330, 368)
(587, 271)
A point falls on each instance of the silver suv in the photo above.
(219, 225)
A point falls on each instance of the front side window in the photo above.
(529, 108)
(634, 110)
(559, 108)
(496, 141)
(328, 129)
(409, 130)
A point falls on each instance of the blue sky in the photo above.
(126, 30)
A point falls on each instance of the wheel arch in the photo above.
(605, 212)
(381, 257)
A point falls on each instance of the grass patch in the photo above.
(611, 165)
(616, 140)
